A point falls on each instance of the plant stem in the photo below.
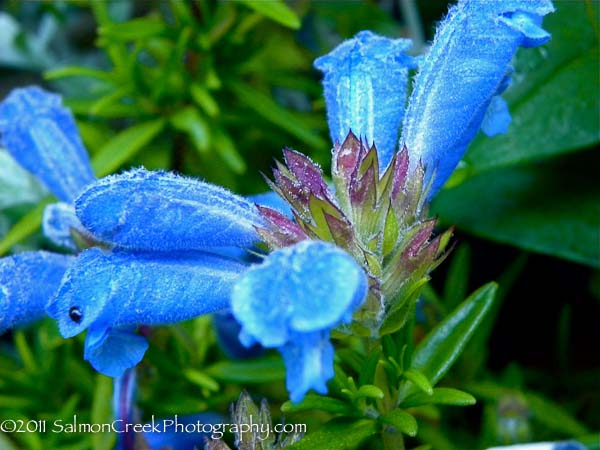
(392, 439)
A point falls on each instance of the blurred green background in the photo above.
(215, 89)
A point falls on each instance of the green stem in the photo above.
(392, 439)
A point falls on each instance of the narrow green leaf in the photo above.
(368, 367)
(262, 370)
(15, 403)
(275, 10)
(77, 71)
(25, 352)
(270, 110)
(434, 356)
(555, 96)
(124, 145)
(102, 412)
(225, 147)
(25, 227)
(338, 435)
(419, 380)
(189, 121)
(204, 100)
(369, 391)
(201, 379)
(110, 100)
(319, 403)
(136, 29)
(116, 52)
(440, 396)
(116, 111)
(402, 421)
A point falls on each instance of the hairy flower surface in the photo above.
(352, 257)
(42, 136)
(365, 86)
(185, 213)
(27, 281)
(292, 301)
(467, 67)
(455, 92)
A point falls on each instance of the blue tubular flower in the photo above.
(227, 330)
(124, 388)
(172, 435)
(27, 281)
(112, 293)
(42, 136)
(161, 211)
(365, 89)
(292, 301)
(58, 222)
(465, 70)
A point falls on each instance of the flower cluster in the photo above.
(353, 257)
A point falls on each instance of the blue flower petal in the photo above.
(365, 89)
(228, 330)
(58, 221)
(42, 136)
(497, 117)
(308, 362)
(147, 210)
(27, 282)
(463, 71)
(133, 288)
(307, 287)
(111, 351)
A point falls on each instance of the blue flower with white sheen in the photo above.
(455, 93)
(183, 213)
(110, 293)
(41, 135)
(291, 302)
(27, 281)
(365, 87)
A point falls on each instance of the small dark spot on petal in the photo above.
(75, 314)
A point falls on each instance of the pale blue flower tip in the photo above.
(365, 81)
(304, 288)
(58, 221)
(43, 138)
